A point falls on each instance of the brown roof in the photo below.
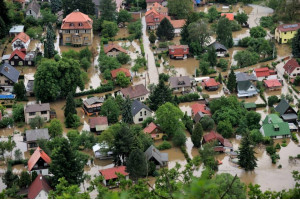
(37, 186)
(98, 121)
(182, 81)
(75, 18)
(178, 23)
(115, 72)
(109, 47)
(289, 27)
(157, 7)
(135, 91)
(111, 173)
(21, 36)
(37, 107)
(290, 66)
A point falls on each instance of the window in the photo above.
(20, 62)
(45, 119)
(86, 38)
(141, 113)
(71, 24)
(30, 12)
(16, 57)
(184, 50)
(172, 50)
(142, 98)
(76, 31)
(67, 31)
(29, 62)
(44, 112)
(68, 39)
(140, 119)
(31, 113)
(157, 136)
(80, 24)
(12, 63)
(145, 112)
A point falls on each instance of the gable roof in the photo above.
(229, 16)
(198, 116)
(197, 107)
(93, 100)
(156, 154)
(157, 7)
(218, 45)
(179, 50)
(244, 85)
(75, 18)
(216, 136)
(282, 129)
(17, 29)
(288, 27)
(272, 119)
(291, 65)
(242, 76)
(272, 83)
(282, 106)
(134, 91)
(211, 82)
(178, 23)
(34, 6)
(100, 120)
(111, 173)
(37, 107)
(150, 128)
(110, 47)
(10, 72)
(182, 81)
(37, 186)
(136, 106)
(38, 153)
(262, 72)
(21, 36)
(36, 134)
(115, 72)
(18, 53)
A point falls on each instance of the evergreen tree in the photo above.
(160, 95)
(197, 135)
(87, 6)
(231, 85)
(20, 91)
(220, 79)
(9, 179)
(212, 56)
(165, 30)
(296, 45)
(224, 32)
(3, 28)
(70, 105)
(25, 179)
(56, 5)
(137, 165)
(247, 159)
(4, 12)
(108, 10)
(152, 37)
(126, 111)
(49, 43)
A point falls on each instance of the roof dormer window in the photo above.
(80, 24)
(71, 24)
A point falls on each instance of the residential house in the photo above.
(98, 124)
(229, 16)
(221, 50)
(21, 41)
(154, 18)
(177, 25)
(39, 188)
(287, 112)
(222, 144)
(17, 58)
(272, 84)
(242, 76)
(102, 152)
(246, 89)
(158, 8)
(154, 130)
(151, 2)
(77, 29)
(199, 111)
(93, 105)
(112, 50)
(210, 84)
(8, 76)
(154, 155)
(274, 127)
(264, 73)
(32, 136)
(33, 9)
(179, 51)
(286, 32)
(29, 83)
(180, 84)
(39, 162)
(111, 174)
(250, 106)
(114, 73)
(5, 58)
(30, 58)
(40, 109)
(292, 68)
(15, 30)
(140, 111)
(136, 92)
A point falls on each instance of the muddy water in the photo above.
(185, 67)
(186, 108)
(214, 94)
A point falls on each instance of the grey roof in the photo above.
(10, 72)
(36, 134)
(136, 106)
(37, 107)
(198, 116)
(34, 6)
(17, 29)
(242, 76)
(243, 85)
(282, 106)
(218, 45)
(6, 57)
(94, 100)
(157, 155)
(182, 81)
(290, 116)
(30, 56)
(96, 2)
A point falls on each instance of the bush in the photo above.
(274, 157)
(283, 144)
(235, 26)
(294, 137)
(272, 100)
(164, 145)
(223, 64)
(78, 102)
(271, 150)
(6, 121)
(188, 97)
(104, 88)
(123, 58)
(266, 22)
(277, 146)
(179, 138)
(186, 155)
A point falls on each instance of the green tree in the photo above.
(72, 121)
(36, 122)
(160, 95)
(109, 63)
(18, 154)
(49, 43)
(10, 179)
(197, 135)
(207, 123)
(231, 85)
(126, 111)
(225, 129)
(124, 16)
(70, 107)
(20, 91)
(241, 17)
(87, 7)
(256, 136)
(258, 32)
(179, 138)
(122, 80)
(223, 64)
(25, 179)
(165, 30)
(168, 117)
(247, 159)
(108, 10)
(152, 37)
(18, 112)
(253, 119)
(55, 128)
(47, 17)
(212, 14)
(296, 45)
(3, 28)
(207, 155)
(180, 8)
(212, 56)
(56, 5)
(109, 28)
(85, 64)
(110, 109)
(224, 32)
(123, 58)
(204, 67)
(137, 164)
(135, 28)
(246, 58)
(67, 163)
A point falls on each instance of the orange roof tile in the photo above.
(111, 173)
(197, 107)
(178, 23)
(272, 83)
(150, 128)
(74, 19)
(21, 36)
(109, 47)
(18, 53)
(38, 153)
(211, 82)
(229, 16)
(115, 72)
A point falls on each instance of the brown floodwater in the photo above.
(185, 67)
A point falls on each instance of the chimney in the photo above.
(41, 177)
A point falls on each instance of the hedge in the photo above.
(104, 88)
(188, 97)
(295, 89)
(186, 155)
(261, 105)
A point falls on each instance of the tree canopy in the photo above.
(224, 32)
(165, 30)
(180, 8)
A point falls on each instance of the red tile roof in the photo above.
(109, 47)
(290, 66)
(38, 153)
(262, 72)
(158, 8)
(197, 107)
(115, 72)
(110, 173)
(288, 27)
(37, 186)
(211, 82)
(150, 128)
(18, 53)
(151, 15)
(178, 23)
(21, 36)
(100, 120)
(272, 83)
(229, 16)
(75, 18)
(212, 136)
(178, 50)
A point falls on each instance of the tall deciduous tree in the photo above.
(18, 112)
(160, 95)
(124, 16)
(122, 80)
(212, 14)
(49, 43)
(241, 17)
(137, 164)
(55, 128)
(36, 122)
(258, 32)
(247, 159)
(70, 105)
(231, 84)
(110, 109)
(9, 179)
(165, 30)
(25, 179)
(20, 91)
(197, 135)
(126, 111)
(296, 45)
(180, 8)
(224, 32)
(108, 10)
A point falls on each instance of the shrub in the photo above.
(272, 100)
(188, 97)
(283, 144)
(277, 146)
(179, 138)
(294, 137)
(271, 150)
(164, 145)
(223, 64)
(103, 88)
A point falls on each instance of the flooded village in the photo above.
(134, 90)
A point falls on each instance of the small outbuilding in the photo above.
(153, 154)
(111, 174)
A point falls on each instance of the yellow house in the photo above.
(285, 32)
(154, 131)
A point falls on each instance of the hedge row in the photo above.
(104, 88)
(188, 98)
(261, 105)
